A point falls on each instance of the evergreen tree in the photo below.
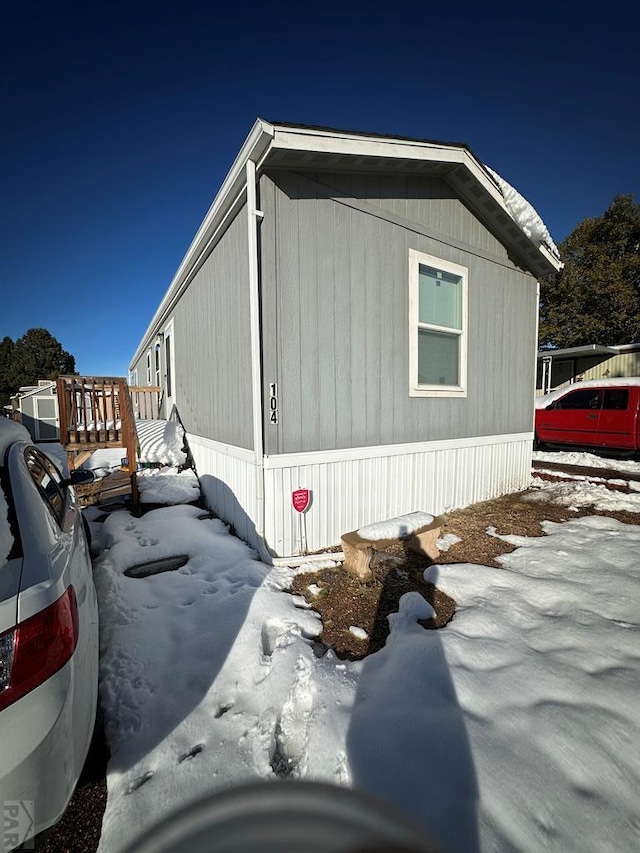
(595, 298)
(36, 355)
(6, 357)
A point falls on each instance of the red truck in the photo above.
(594, 413)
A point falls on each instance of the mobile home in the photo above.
(356, 316)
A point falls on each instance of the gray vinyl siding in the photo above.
(28, 415)
(335, 289)
(212, 344)
(141, 366)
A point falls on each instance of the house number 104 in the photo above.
(273, 402)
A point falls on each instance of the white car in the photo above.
(48, 639)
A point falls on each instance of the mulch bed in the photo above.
(344, 601)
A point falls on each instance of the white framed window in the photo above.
(148, 367)
(437, 327)
(157, 364)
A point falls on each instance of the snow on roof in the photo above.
(543, 402)
(524, 214)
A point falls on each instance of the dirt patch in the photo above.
(343, 601)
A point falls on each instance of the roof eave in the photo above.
(578, 352)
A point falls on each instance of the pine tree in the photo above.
(595, 298)
(6, 357)
(36, 355)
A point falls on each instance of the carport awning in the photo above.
(577, 352)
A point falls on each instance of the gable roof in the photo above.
(31, 390)
(314, 147)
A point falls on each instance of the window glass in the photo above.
(438, 358)
(167, 353)
(48, 480)
(586, 398)
(438, 314)
(157, 361)
(616, 399)
(440, 298)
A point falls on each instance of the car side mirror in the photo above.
(79, 476)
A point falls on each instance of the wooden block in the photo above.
(358, 554)
(423, 541)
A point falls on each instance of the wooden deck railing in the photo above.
(146, 401)
(101, 412)
(89, 409)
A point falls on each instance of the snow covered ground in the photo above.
(588, 459)
(516, 727)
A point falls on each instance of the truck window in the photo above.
(616, 399)
(585, 398)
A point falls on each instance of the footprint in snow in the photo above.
(139, 782)
(195, 750)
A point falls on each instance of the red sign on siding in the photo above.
(301, 499)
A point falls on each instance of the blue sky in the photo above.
(120, 120)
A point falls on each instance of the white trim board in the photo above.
(314, 457)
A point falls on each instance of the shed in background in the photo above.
(37, 406)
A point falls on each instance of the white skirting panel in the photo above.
(351, 488)
(228, 479)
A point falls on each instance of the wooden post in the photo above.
(63, 411)
(130, 437)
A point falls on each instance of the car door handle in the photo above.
(592, 417)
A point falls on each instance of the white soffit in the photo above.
(336, 142)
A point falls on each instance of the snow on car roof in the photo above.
(11, 431)
(620, 381)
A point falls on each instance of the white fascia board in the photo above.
(588, 349)
(550, 257)
(254, 148)
(625, 347)
(36, 390)
(329, 142)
